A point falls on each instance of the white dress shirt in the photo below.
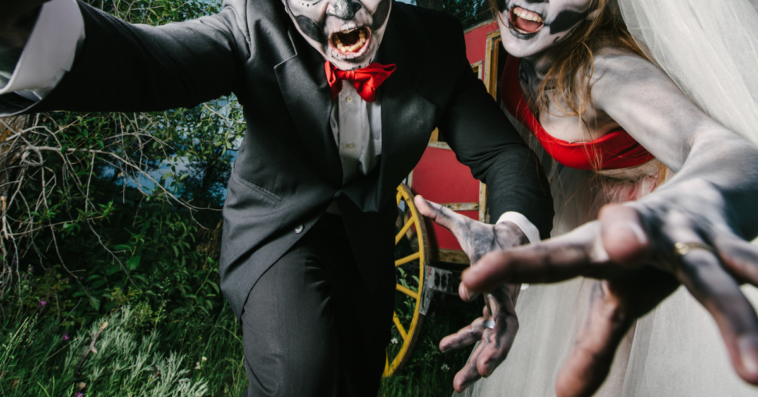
(50, 53)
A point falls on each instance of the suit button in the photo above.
(299, 229)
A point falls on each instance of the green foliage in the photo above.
(430, 373)
(130, 358)
(116, 217)
(105, 209)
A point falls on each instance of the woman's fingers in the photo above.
(738, 256)
(465, 294)
(592, 355)
(464, 337)
(714, 288)
(623, 235)
(574, 254)
(614, 306)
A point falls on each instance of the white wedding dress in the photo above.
(675, 350)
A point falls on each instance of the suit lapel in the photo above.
(303, 84)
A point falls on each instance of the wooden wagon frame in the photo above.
(418, 242)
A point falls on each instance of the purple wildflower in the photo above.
(42, 303)
(80, 394)
(65, 336)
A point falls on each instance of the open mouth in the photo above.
(525, 22)
(352, 42)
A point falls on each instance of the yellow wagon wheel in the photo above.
(411, 260)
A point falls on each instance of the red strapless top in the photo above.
(614, 150)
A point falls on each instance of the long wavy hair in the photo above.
(567, 82)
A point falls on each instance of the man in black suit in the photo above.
(307, 252)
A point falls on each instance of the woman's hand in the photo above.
(683, 231)
(498, 325)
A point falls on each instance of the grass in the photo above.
(140, 352)
(430, 372)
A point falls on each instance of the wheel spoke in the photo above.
(399, 326)
(412, 257)
(406, 291)
(404, 229)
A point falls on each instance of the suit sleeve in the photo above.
(484, 140)
(126, 67)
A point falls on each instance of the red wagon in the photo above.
(438, 177)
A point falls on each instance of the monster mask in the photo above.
(529, 27)
(346, 32)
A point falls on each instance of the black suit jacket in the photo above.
(288, 170)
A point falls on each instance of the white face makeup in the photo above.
(529, 27)
(346, 32)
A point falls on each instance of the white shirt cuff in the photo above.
(531, 232)
(49, 53)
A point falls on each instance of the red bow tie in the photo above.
(366, 80)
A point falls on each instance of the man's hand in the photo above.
(17, 18)
(476, 238)
(496, 329)
(685, 237)
(498, 325)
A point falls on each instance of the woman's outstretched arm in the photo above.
(693, 230)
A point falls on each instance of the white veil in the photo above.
(709, 48)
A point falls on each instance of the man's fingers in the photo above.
(624, 238)
(468, 374)
(439, 214)
(738, 256)
(715, 289)
(499, 342)
(574, 254)
(466, 336)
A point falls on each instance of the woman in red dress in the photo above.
(611, 127)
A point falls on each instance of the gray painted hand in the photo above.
(632, 248)
(477, 239)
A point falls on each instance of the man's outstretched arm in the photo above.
(120, 66)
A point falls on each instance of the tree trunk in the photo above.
(431, 4)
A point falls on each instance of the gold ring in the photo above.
(682, 249)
